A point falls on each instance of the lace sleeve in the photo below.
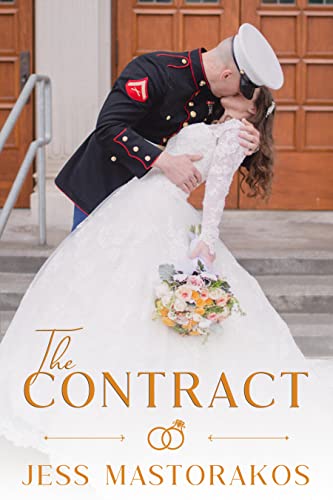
(227, 157)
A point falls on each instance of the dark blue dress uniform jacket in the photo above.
(154, 97)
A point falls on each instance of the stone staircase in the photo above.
(301, 289)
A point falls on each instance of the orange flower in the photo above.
(195, 295)
(209, 302)
(164, 311)
(194, 332)
(168, 322)
(190, 325)
(200, 310)
(200, 302)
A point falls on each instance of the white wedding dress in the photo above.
(101, 281)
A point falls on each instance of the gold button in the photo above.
(168, 117)
(202, 83)
(185, 124)
(147, 158)
(184, 61)
(136, 149)
(165, 140)
(191, 104)
(113, 158)
(125, 138)
(193, 114)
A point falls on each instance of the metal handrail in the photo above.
(44, 136)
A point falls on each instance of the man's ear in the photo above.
(252, 109)
(225, 74)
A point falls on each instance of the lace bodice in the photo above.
(222, 155)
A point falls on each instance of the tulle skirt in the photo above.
(131, 409)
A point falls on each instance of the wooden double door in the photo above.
(16, 53)
(301, 32)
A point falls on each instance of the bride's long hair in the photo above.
(259, 172)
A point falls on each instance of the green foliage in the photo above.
(166, 272)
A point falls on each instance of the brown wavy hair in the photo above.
(259, 172)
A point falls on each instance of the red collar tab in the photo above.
(199, 74)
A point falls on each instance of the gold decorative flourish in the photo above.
(213, 438)
(119, 438)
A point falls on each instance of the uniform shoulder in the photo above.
(145, 64)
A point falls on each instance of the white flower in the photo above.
(180, 277)
(166, 299)
(180, 305)
(172, 315)
(161, 290)
(205, 323)
(182, 320)
(184, 292)
(197, 317)
(216, 293)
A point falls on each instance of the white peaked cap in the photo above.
(256, 57)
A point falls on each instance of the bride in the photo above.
(122, 406)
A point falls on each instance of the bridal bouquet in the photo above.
(192, 303)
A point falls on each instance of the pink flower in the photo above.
(212, 317)
(184, 292)
(195, 282)
(223, 315)
(204, 293)
(223, 300)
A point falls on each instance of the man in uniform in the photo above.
(154, 97)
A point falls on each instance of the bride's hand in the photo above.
(180, 170)
(249, 137)
(201, 249)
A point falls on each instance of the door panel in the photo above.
(301, 34)
(16, 37)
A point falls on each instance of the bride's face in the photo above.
(240, 107)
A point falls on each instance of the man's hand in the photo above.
(249, 137)
(180, 170)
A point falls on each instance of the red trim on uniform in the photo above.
(127, 150)
(203, 69)
(157, 157)
(179, 57)
(192, 71)
(70, 199)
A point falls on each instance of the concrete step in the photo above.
(313, 333)
(259, 266)
(21, 263)
(5, 320)
(12, 288)
(299, 293)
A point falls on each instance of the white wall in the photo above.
(72, 47)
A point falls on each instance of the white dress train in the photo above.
(99, 283)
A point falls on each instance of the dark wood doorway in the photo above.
(16, 53)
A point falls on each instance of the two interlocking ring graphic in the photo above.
(167, 438)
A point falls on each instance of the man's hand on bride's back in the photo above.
(180, 170)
